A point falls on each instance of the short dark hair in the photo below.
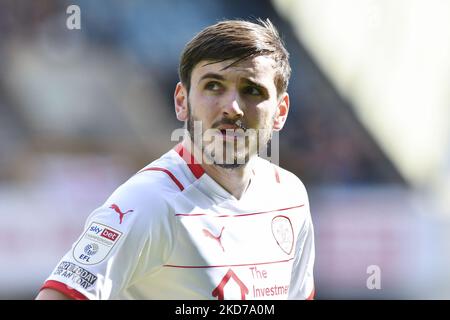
(237, 39)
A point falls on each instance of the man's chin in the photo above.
(233, 161)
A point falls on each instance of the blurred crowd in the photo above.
(108, 87)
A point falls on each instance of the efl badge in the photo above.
(283, 233)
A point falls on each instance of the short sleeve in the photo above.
(302, 278)
(128, 236)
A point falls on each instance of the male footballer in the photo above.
(210, 219)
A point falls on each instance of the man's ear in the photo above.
(282, 112)
(180, 98)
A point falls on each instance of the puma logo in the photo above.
(218, 238)
(121, 214)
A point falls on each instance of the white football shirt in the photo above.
(172, 232)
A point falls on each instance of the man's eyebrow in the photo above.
(253, 83)
(211, 75)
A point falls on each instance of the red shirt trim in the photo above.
(64, 289)
(235, 215)
(193, 165)
(226, 265)
(311, 296)
(170, 174)
(277, 175)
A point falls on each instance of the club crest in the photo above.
(283, 233)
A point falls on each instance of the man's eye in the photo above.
(213, 86)
(253, 91)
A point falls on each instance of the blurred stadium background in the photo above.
(368, 131)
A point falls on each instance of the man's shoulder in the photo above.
(146, 196)
(164, 176)
(280, 175)
(154, 185)
(170, 172)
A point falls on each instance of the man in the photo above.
(210, 219)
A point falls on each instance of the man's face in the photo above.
(236, 107)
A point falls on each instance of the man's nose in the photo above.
(233, 106)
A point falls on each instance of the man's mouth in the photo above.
(230, 132)
(228, 127)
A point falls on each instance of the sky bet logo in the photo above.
(104, 232)
(95, 244)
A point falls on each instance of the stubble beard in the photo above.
(240, 158)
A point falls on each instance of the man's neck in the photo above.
(235, 181)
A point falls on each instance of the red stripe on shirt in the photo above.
(277, 176)
(311, 296)
(234, 215)
(170, 174)
(193, 165)
(64, 289)
(225, 265)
